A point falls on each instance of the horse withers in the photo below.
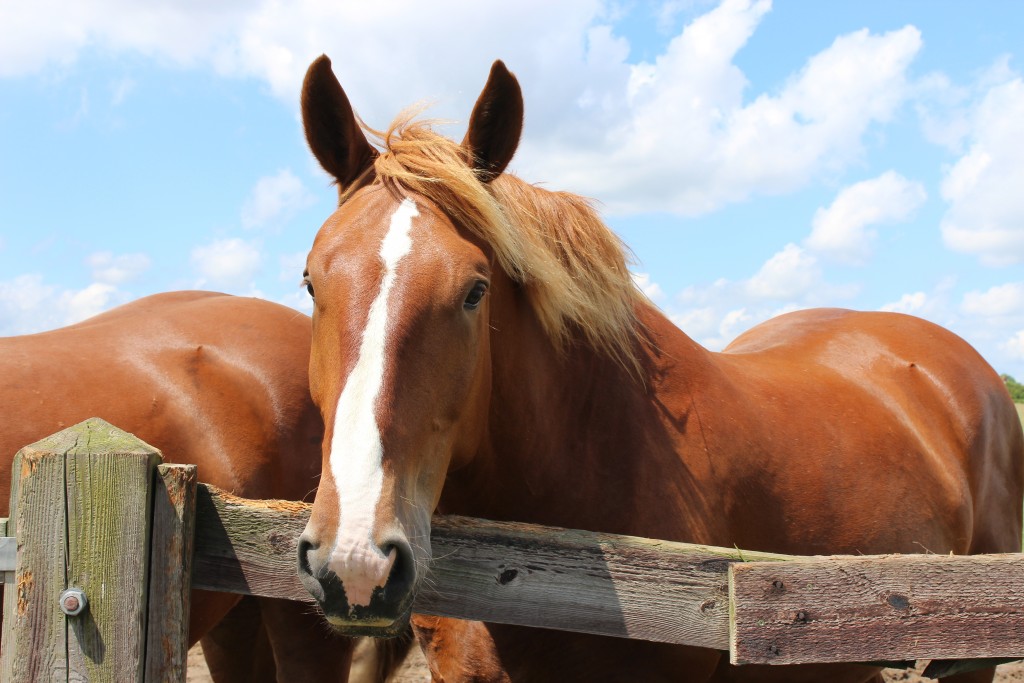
(213, 380)
(479, 348)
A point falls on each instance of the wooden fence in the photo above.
(93, 511)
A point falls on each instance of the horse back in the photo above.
(878, 432)
(210, 379)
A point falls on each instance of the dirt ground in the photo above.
(415, 671)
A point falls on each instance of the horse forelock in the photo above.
(573, 268)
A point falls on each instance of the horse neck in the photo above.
(569, 431)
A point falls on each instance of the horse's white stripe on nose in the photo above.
(356, 448)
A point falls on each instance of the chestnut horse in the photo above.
(213, 380)
(479, 348)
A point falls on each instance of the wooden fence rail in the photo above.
(761, 607)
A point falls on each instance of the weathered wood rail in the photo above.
(80, 510)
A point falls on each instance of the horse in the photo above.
(213, 380)
(480, 348)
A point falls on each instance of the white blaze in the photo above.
(356, 448)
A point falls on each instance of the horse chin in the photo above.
(386, 616)
(356, 624)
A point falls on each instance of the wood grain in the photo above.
(80, 511)
(849, 609)
(109, 476)
(170, 572)
(495, 571)
(247, 546)
(34, 643)
(580, 581)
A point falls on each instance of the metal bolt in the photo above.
(778, 585)
(773, 650)
(73, 601)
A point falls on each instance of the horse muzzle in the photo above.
(363, 590)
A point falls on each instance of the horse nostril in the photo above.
(305, 548)
(403, 571)
(309, 578)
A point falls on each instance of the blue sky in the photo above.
(758, 157)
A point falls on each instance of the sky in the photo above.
(758, 157)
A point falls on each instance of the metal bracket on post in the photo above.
(8, 556)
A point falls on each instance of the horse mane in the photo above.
(571, 265)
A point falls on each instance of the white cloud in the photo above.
(115, 270)
(908, 303)
(652, 290)
(28, 304)
(679, 133)
(686, 141)
(788, 274)
(229, 263)
(1001, 300)
(299, 300)
(85, 303)
(983, 188)
(275, 42)
(120, 91)
(844, 230)
(790, 280)
(53, 32)
(1014, 346)
(945, 109)
(274, 200)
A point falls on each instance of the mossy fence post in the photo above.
(90, 599)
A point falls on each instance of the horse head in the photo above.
(400, 365)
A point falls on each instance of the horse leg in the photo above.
(305, 648)
(237, 649)
(376, 659)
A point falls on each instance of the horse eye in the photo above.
(308, 284)
(475, 295)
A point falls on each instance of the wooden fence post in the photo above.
(170, 573)
(80, 508)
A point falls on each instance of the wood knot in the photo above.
(507, 576)
(897, 601)
(282, 543)
(707, 606)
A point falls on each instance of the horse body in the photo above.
(211, 380)
(790, 441)
(871, 433)
(506, 367)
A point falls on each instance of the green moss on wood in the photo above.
(93, 436)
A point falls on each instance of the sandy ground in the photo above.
(415, 671)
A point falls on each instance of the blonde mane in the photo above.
(571, 265)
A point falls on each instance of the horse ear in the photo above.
(495, 124)
(333, 134)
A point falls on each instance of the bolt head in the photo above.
(73, 601)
